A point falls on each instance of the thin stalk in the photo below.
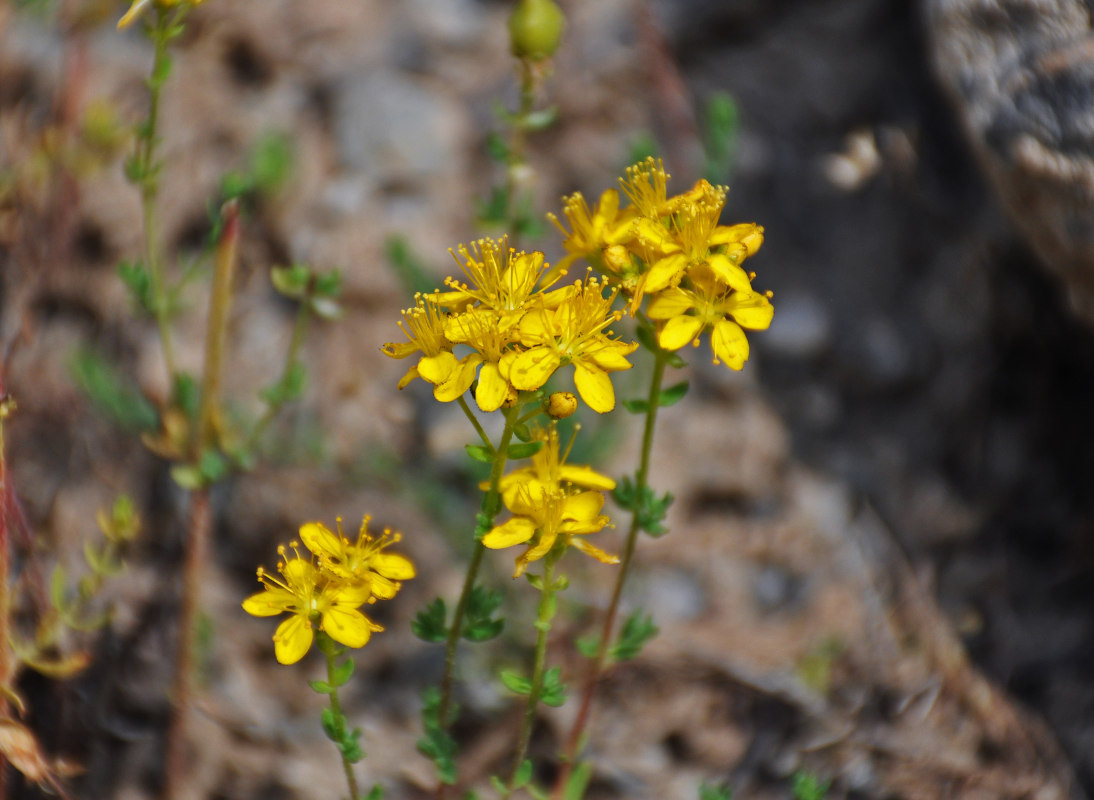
(517, 160)
(543, 628)
(200, 523)
(6, 404)
(148, 180)
(292, 357)
(491, 504)
(336, 708)
(573, 743)
(475, 423)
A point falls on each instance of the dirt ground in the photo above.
(881, 561)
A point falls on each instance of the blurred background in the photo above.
(880, 569)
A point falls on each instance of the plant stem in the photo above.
(336, 709)
(491, 504)
(573, 743)
(475, 423)
(543, 627)
(148, 180)
(6, 676)
(292, 357)
(200, 524)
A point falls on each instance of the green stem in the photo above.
(475, 423)
(292, 357)
(148, 180)
(543, 628)
(336, 709)
(573, 743)
(6, 666)
(517, 160)
(491, 504)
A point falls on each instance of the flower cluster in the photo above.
(552, 502)
(674, 250)
(328, 589)
(513, 331)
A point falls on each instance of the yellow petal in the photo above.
(393, 565)
(292, 639)
(670, 303)
(518, 530)
(346, 626)
(730, 344)
(666, 272)
(492, 389)
(751, 310)
(586, 477)
(612, 356)
(594, 551)
(319, 539)
(532, 368)
(729, 273)
(436, 369)
(298, 571)
(583, 507)
(679, 331)
(411, 374)
(459, 381)
(382, 588)
(594, 386)
(399, 349)
(134, 11)
(536, 552)
(572, 526)
(269, 603)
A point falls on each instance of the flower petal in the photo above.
(670, 303)
(346, 626)
(594, 386)
(459, 381)
(269, 603)
(666, 272)
(679, 331)
(585, 476)
(583, 506)
(518, 530)
(292, 639)
(320, 539)
(393, 566)
(492, 389)
(730, 344)
(729, 273)
(411, 374)
(750, 310)
(436, 369)
(594, 551)
(532, 368)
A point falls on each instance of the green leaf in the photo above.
(430, 623)
(290, 386)
(322, 687)
(720, 792)
(538, 120)
(673, 394)
(212, 466)
(588, 646)
(187, 476)
(809, 787)
(637, 630)
(524, 449)
(578, 781)
(499, 785)
(271, 162)
(497, 148)
(138, 282)
(329, 283)
(343, 672)
(522, 432)
(480, 453)
(523, 774)
(291, 281)
(333, 724)
(650, 508)
(186, 394)
(676, 361)
(647, 338)
(514, 682)
(111, 392)
(58, 587)
(480, 624)
(636, 406)
(410, 269)
(553, 692)
(377, 793)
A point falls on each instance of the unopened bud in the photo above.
(561, 405)
(617, 258)
(535, 29)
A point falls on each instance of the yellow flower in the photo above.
(545, 517)
(424, 326)
(687, 312)
(550, 470)
(594, 232)
(498, 278)
(310, 599)
(646, 184)
(140, 6)
(362, 562)
(572, 333)
(481, 329)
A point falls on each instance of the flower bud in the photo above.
(535, 29)
(617, 259)
(561, 405)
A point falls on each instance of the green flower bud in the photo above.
(535, 29)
